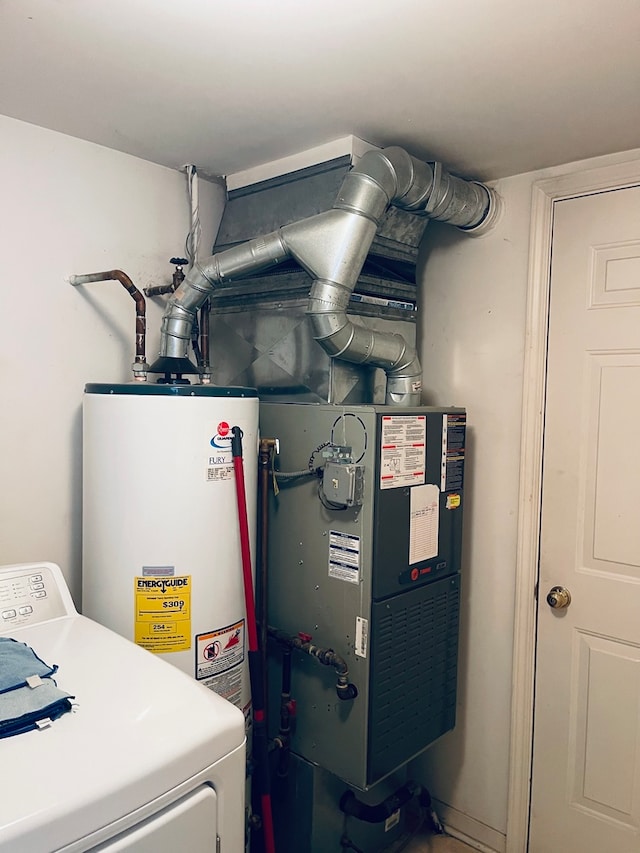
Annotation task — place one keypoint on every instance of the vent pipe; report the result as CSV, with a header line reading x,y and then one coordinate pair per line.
x,y
332,247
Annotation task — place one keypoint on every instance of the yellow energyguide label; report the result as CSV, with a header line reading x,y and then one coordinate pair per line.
x,y
162,608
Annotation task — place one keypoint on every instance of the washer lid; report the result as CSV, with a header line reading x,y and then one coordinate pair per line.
x,y
140,728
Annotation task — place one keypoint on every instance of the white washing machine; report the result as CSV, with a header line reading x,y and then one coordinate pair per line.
x,y
148,760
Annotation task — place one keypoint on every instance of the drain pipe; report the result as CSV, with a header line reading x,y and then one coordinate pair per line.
x,y
332,247
351,805
345,690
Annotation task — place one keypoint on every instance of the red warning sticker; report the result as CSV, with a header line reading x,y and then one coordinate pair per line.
x,y
403,451
220,650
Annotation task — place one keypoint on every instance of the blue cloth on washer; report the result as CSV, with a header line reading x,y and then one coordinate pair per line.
x,y
32,707
19,662
29,697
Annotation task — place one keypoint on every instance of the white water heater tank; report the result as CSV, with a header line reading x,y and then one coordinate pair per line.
x,y
161,546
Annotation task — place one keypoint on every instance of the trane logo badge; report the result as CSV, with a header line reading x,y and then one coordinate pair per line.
x,y
222,438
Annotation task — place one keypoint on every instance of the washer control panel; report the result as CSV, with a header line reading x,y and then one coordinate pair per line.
x,y
32,593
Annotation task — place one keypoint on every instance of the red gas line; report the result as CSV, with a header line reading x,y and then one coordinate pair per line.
x,y
255,660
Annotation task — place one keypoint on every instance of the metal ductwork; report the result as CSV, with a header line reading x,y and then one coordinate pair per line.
x,y
331,247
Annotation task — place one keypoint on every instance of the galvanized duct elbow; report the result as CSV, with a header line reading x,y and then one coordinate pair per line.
x,y
381,178
201,281
426,189
341,338
332,248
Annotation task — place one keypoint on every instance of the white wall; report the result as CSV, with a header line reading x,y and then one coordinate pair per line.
x,y
72,207
473,303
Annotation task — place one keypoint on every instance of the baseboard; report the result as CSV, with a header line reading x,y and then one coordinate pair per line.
x,y
473,832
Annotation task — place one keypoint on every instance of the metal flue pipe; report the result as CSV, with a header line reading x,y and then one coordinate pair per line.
x,y
332,247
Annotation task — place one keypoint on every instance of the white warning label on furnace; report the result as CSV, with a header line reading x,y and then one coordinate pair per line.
x,y
362,637
453,440
424,523
403,451
344,556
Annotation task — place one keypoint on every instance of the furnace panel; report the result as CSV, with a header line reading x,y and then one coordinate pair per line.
x,y
378,580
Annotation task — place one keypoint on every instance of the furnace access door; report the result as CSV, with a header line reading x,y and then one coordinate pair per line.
x,y
366,559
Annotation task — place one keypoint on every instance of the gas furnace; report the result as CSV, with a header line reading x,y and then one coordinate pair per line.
x,y
364,557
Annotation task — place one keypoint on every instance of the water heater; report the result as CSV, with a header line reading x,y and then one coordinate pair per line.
x,y
161,547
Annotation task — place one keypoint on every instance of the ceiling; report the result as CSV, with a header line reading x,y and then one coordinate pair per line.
x,y
490,87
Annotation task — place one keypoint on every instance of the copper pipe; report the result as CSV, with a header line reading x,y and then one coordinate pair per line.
x,y
176,280
159,289
267,448
204,335
328,657
138,298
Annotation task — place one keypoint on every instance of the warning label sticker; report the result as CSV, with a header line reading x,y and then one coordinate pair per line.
x,y
392,820
219,661
220,650
228,685
217,472
362,637
162,613
344,556
453,441
403,451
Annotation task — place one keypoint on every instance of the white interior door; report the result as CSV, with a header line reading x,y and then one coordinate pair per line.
x,y
586,761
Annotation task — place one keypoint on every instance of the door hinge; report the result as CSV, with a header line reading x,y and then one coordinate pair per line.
x,y
218,844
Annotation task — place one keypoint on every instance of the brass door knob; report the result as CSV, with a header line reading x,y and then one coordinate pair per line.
x,y
558,597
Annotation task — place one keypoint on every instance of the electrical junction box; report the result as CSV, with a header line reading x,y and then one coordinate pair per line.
x,y
371,570
342,484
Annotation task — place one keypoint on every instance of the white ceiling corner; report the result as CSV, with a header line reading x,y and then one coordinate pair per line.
x,y
491,88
